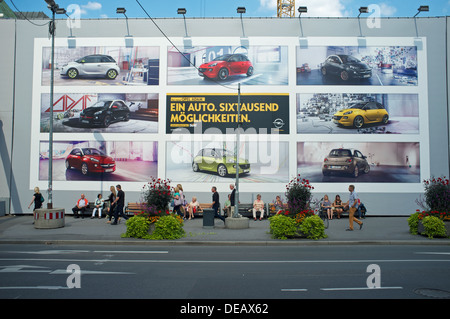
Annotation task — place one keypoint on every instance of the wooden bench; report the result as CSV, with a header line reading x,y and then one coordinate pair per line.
x,y
272,210
133,208
199,212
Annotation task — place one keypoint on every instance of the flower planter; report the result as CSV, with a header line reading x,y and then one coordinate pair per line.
x,y
421,228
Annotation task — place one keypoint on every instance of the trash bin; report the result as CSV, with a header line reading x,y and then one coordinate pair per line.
x,y
208,218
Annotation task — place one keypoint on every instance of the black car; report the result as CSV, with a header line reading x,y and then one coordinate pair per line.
x,y
105,112
346,67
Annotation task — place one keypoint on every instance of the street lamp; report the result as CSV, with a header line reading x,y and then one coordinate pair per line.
x,y
422,9
52,28
187,42
363,10
302,10
128,37
244,39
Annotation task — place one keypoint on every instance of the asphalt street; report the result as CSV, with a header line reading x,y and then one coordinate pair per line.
x,y
221,272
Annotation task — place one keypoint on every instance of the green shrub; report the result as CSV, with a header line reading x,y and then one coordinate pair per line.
x,y
313,227
434,227
168,227
413,223
137,227
282,227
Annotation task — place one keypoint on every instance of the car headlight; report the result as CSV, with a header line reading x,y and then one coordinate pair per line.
x,y
348,112
98,113
94,159
214,64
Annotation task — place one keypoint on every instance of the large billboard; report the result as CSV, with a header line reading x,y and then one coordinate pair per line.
x,y
159,110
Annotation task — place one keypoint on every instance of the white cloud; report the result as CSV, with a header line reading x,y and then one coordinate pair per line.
x,y
316,8
387,10
92,6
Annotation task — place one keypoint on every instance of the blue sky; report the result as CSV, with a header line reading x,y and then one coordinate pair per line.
x,y
93,9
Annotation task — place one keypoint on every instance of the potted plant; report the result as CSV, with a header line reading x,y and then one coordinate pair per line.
x,y
288,222
436,204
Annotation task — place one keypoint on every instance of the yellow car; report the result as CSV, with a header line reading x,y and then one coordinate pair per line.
x,y
362,113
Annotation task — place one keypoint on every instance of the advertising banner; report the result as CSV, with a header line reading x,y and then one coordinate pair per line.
x,y
355,65
260,161
102,66
357,113
362,162
217,113
87,160
227,64
101,112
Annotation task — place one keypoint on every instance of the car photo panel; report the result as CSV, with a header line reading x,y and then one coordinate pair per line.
x,y
131,161
100,112
366,162
224,65
356,113
204,162
357,65
102,65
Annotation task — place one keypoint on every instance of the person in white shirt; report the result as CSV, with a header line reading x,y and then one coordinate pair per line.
x,y
258,206
98,205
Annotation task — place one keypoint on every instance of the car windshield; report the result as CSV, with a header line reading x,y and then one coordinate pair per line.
x,y
348,59
92,151
340,153
224,153
222,57
102,104
357,106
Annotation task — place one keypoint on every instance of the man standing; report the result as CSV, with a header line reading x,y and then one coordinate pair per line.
x,y
120,200
81,205
233,193
216,203
352,205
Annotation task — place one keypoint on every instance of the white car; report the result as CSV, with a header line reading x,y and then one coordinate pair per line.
x,y
92,65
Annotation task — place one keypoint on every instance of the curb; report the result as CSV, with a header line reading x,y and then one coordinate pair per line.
x,y
223,243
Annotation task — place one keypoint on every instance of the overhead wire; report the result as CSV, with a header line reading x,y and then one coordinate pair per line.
x,y
25,17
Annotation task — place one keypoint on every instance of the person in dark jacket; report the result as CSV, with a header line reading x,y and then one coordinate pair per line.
x,y
216,203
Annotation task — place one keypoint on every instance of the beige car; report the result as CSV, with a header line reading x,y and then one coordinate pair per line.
x,y
345,161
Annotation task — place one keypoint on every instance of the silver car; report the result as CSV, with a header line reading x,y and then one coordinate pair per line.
x,y
92,65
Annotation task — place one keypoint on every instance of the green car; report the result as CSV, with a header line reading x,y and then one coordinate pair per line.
x,y
219,160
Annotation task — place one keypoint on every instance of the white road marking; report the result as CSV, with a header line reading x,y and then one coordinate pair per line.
x,y
432,253
338,289
131,252
36,287
228,261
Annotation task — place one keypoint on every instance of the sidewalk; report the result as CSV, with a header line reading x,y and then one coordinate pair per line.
x,y
376,230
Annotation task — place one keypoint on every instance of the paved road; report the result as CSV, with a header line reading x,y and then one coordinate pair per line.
x,y
224,273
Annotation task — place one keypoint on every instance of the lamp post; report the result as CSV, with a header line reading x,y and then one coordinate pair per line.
x,y
55,10
236,195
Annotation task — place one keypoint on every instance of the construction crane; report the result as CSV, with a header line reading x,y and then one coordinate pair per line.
x,y
285,8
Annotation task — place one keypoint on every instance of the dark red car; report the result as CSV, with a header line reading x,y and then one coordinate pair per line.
x,y
90,160
226,65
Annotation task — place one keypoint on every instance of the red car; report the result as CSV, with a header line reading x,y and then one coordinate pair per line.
x,y
226,65
90,160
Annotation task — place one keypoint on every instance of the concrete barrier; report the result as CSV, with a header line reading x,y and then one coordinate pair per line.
x,y
237,223
49,218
